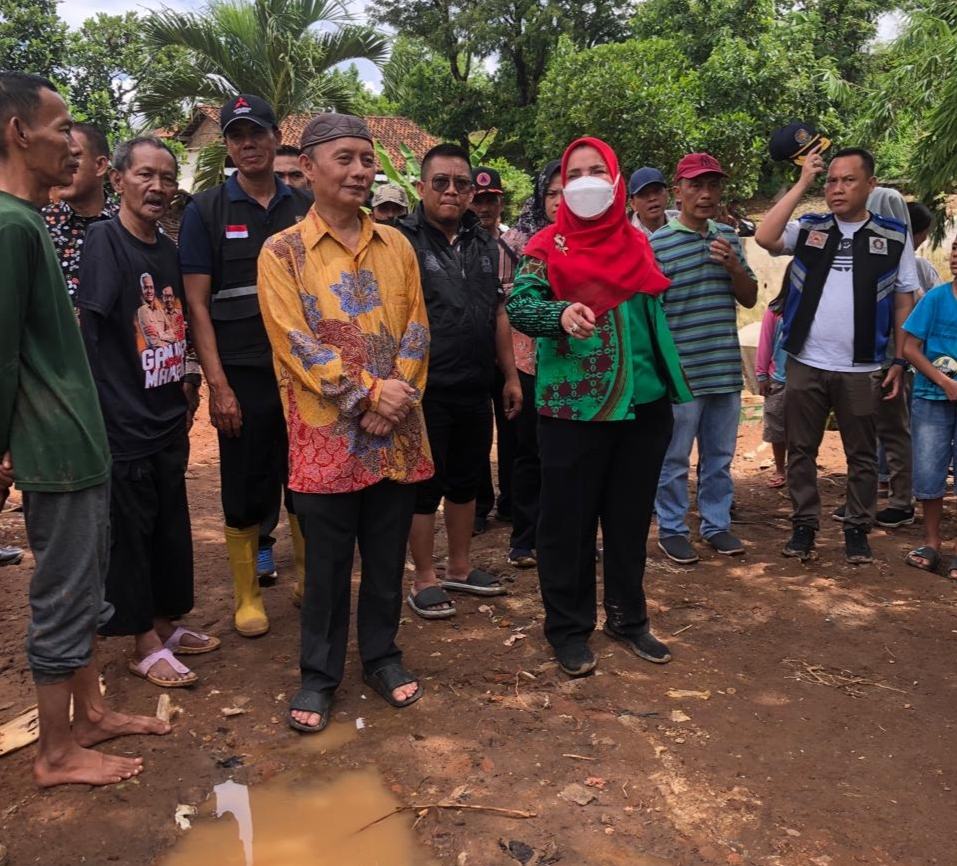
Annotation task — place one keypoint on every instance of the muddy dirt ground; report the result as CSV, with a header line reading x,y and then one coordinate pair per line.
x,y
808,716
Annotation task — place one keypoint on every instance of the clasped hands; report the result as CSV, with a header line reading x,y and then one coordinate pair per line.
x,y
395,402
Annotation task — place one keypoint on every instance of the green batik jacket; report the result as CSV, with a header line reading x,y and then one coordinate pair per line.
x,y
592,379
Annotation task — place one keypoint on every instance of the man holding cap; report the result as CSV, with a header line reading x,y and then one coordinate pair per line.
x,y
648,195
389,202
343,306
222,232
709,278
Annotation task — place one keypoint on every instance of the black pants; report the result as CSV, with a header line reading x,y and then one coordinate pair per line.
x,y
526,469
253,466
505,445
460,435
151,547
379,518
595,471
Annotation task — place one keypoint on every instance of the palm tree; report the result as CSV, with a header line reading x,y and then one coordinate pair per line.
x,y
281,50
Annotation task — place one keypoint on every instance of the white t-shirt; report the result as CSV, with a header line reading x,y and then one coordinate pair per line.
x,y
830,341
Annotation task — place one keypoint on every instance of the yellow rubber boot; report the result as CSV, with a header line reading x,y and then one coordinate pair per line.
x,y
299,559
250,619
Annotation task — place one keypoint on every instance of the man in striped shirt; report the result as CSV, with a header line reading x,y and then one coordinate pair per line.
x,y
709,277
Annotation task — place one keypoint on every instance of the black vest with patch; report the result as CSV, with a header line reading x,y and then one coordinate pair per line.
x,y
237,231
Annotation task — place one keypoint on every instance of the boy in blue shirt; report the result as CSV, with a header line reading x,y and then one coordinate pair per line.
x,y
930,344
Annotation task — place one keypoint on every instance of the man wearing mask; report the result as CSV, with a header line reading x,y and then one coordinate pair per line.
x,y
709,278
80,204
458,261
222,233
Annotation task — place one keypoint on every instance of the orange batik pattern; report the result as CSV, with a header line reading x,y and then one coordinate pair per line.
x,y
340,323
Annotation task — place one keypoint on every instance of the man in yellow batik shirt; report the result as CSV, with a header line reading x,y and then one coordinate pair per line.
x,y
343,307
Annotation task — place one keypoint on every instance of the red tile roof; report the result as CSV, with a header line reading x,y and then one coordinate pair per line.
x,y
389,131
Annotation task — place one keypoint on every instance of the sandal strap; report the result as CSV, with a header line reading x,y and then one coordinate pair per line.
x,y
431,596
477,577
174,641
146,665
310,701
391,676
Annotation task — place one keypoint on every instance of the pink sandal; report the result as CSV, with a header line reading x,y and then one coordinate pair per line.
x,y
144,669
174,642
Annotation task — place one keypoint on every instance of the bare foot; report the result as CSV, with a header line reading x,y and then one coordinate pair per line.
x,y
403,693
79,766
106,725
304,717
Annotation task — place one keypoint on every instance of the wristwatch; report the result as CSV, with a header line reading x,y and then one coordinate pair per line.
x,y
900,362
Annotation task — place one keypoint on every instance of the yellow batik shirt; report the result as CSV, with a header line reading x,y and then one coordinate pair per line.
x,y
340,323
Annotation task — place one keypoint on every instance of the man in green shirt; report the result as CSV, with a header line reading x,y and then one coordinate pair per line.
x,y
53,445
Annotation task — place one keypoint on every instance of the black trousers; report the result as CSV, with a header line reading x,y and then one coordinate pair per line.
x,y
526,469
593,471
253,466
379,518
151,547
505,446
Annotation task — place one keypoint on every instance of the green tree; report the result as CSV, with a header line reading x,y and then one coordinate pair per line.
x,y
417,82
282,50
32,37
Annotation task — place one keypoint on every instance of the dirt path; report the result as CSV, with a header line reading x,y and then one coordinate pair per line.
x,y
808,716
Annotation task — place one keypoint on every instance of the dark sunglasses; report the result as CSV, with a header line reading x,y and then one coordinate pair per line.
x,y
441,182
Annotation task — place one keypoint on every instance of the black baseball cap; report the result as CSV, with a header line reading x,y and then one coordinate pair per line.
x,y
643,177
247,107
487,180
792,143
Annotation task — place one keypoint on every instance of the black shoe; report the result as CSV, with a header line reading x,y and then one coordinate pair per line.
x,y
725,543
838,513
894,517
801,544
645,646
576,661
503,516
521,558
678,549
480,525
10,555
856,548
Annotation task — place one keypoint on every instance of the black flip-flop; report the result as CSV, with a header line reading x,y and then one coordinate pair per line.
x,y
926,552
477,583
309,701
387,679
424,603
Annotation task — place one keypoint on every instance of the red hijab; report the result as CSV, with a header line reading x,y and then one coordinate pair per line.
x,y
600,262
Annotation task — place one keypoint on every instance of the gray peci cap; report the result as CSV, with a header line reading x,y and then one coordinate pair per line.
x,y
330,125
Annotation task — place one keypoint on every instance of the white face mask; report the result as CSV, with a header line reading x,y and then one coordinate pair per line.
x,y
589,197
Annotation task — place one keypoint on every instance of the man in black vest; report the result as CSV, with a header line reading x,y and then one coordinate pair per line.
x,y
222,232
852,282
458,261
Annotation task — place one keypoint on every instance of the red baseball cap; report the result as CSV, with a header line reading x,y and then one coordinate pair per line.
x,y
695,164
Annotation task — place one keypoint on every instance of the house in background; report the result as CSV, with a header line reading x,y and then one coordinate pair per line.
x,y
390,132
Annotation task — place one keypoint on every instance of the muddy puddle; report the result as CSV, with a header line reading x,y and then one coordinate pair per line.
x,y
295,820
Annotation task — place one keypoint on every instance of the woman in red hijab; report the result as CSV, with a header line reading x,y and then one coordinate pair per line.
x,y
588,288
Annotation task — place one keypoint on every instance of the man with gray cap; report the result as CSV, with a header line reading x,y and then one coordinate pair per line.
x,y
343,307
222,231
389,202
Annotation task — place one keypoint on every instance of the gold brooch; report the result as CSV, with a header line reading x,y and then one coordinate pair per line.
x,y
560,244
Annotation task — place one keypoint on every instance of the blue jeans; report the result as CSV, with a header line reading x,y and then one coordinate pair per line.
x,y
713,420
934,432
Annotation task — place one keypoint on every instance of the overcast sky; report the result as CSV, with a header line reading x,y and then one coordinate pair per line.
x,y
75,12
